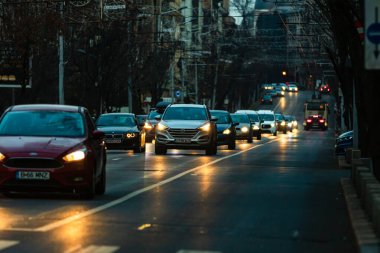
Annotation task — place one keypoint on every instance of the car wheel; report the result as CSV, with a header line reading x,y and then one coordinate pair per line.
x,y
160,150
212,149
258,136
138,150
284,132
100,187
90,192
232,145
275,133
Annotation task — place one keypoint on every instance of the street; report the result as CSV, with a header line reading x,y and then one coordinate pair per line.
x,y
279,194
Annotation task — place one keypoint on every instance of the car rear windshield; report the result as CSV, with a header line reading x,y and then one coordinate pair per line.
x,y
43,123
267,117
240,118
116,120
222,117
185,113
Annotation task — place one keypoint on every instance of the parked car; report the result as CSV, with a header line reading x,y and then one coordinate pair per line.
x,y
226,128
51,148
344,141
122,131
186,126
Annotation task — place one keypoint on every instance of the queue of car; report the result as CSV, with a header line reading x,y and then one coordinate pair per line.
x,y
62,149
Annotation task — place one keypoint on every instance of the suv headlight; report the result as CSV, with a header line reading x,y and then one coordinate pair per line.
x,y
254,127
75,156
206,127
2,157
148,125
244,129
272,124
227,131
161,127
283,123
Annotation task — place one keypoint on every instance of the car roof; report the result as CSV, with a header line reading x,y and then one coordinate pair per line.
x,y
265,111
118,113
223,111
187,105
246,111
46,107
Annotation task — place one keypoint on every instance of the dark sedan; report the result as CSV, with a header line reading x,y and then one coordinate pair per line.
x,y
122,131
226,128
344,141
50,148
281,123
244,130
266,99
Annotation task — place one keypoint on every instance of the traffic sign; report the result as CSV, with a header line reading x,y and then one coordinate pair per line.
x,y
372,32
178,93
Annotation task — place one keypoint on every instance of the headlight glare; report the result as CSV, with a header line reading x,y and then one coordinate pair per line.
x,y
254,127
206,127
227,131
161,127
244,129
283,123
75,156
130,135
272,124
2,157
148,126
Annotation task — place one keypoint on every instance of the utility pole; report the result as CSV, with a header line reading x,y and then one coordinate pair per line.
x,y
61,66
196,82
215,77
182,81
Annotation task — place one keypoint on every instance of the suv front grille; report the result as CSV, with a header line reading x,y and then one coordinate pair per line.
x,y
32,163
183,133
114,136
266,126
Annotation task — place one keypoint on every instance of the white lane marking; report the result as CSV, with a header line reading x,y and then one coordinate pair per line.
x,y
128,196
6,244
196,251
116,159
94,249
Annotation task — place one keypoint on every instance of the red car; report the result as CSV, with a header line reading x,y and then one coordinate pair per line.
x,y
51,148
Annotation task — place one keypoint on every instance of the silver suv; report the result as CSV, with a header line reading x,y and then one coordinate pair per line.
x,y
186,126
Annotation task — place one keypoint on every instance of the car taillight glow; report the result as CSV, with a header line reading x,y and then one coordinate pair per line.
x,y
308,120
2,157
321,121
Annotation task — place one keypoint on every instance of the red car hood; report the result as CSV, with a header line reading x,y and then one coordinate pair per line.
x,y
36,146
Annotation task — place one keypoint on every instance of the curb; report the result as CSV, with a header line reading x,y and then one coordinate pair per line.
x,y
366,238
343,164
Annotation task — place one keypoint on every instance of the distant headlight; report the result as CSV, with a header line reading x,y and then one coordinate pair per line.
x,y
295,123
289,124
282,93
130,135
283,88
254,127
148,125
161,127
2,157
244,129
227,131
272,124
296,89
283,123
75,156
206,127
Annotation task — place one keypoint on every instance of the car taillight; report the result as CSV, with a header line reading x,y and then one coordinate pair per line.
x,y
321,121
328,89
308,120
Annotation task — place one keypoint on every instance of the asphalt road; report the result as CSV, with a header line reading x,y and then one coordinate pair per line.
x,y
280,194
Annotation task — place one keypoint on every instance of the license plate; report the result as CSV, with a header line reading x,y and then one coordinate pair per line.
x,y
33,175
113,141
183,140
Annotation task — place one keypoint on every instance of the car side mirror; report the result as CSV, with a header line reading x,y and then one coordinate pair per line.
x,y
214,119
98,135
261,121
158,117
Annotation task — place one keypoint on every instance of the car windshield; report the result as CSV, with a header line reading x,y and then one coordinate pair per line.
x,y
222,117
253,117
240,118
185,113
43,123
279,117
267,117
153,114
116,120
267,97
288,118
